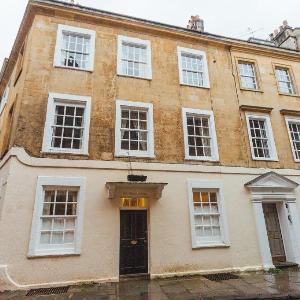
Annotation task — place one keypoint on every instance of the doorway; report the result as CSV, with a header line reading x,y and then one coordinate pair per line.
x,y
274,232
133,242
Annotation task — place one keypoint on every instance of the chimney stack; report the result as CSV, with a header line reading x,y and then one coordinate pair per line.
x,y
195,23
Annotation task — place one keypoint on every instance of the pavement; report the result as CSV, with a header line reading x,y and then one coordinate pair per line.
x,y
279,284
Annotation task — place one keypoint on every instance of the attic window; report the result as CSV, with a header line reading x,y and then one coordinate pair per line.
x,y
134,57
75,48
193,70
4,98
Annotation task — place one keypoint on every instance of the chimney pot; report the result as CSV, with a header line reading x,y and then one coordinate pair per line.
x,y
196,23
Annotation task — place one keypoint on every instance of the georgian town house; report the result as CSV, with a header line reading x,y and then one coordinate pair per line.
x,y
206,127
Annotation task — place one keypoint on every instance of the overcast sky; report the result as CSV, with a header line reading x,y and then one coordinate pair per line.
x,y
226,17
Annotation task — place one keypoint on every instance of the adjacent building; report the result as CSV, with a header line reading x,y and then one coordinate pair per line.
x,y
89,97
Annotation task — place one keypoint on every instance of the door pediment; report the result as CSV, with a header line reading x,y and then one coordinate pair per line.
x,y
271,181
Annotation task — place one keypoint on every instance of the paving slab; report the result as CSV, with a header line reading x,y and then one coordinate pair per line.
x,y
256,285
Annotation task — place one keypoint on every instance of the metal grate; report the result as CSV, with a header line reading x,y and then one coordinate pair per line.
x,y
48,291
221,276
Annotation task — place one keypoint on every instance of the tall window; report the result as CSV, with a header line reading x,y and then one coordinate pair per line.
x,y
75,48
248,75
57,218
199,135
207,213
67,129
134,57
284,80
67,124
261,138
134,129
134,132
193,69
4,98
293,126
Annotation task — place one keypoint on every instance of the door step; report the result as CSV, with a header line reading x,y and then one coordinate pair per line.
x,y
134,277
285,265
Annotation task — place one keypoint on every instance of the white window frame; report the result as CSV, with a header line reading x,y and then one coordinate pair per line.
x,y
59,43
213,185
254,69
45,181
4,99
271,141
180,51
66,98
214,143
287,120
150,141
291,81
138,42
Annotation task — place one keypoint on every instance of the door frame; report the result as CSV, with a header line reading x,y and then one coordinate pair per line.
x,y
283,256
289,224
148,239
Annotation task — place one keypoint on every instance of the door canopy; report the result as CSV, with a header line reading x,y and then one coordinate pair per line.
x,y
150,190
273,182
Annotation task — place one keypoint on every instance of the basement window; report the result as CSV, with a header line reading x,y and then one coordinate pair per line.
x,y
193,70
75,48
261,137
134,57
57,218
134,129
67,124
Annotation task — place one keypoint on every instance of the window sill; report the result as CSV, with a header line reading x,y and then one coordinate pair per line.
x,y
251,90
195,86
289,95
74,69
265,159
51,255
63,152
135,77
204,246
206,159
135,155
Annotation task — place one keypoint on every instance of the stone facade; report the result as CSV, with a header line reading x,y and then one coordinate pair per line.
x,y
39,77
32,76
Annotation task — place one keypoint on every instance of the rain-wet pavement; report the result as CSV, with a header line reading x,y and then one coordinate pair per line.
x,y
255,285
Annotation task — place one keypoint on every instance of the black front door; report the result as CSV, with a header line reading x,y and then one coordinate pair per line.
x,y
133,242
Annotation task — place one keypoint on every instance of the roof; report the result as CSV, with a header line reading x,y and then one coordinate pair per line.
x,y
56,4
103,12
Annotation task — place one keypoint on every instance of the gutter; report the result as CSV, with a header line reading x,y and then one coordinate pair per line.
x,y
231,42
155,23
